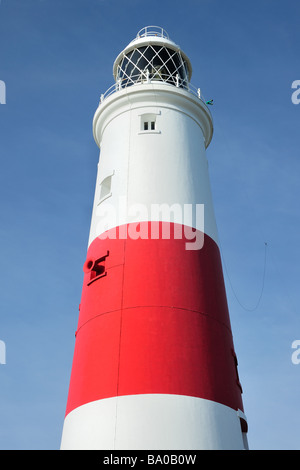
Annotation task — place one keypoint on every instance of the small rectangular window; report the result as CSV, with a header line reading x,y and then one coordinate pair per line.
x,y
236,370
105,188
148,123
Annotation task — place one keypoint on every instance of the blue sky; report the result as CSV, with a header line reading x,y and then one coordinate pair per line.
x,y
56,59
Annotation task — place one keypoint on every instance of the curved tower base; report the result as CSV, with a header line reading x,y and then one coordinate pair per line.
x,y
144,423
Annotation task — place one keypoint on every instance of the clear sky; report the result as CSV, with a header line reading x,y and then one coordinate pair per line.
x,y
56,59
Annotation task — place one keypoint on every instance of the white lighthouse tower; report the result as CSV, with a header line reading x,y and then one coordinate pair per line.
x,y
154,364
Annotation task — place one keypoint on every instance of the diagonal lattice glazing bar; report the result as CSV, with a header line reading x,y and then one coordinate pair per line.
x,y
155,62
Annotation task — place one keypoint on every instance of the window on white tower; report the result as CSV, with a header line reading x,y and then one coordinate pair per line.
x,y
105,188
148,123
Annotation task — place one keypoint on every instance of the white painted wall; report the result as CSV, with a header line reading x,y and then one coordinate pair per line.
x,y
143,421
165,166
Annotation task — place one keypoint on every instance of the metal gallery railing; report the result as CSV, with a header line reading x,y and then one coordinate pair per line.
x,y
148,78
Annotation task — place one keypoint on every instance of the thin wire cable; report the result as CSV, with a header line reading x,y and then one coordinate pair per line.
x,y
262,287
227,144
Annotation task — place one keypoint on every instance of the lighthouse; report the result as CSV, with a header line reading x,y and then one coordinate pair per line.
x,y
154,363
